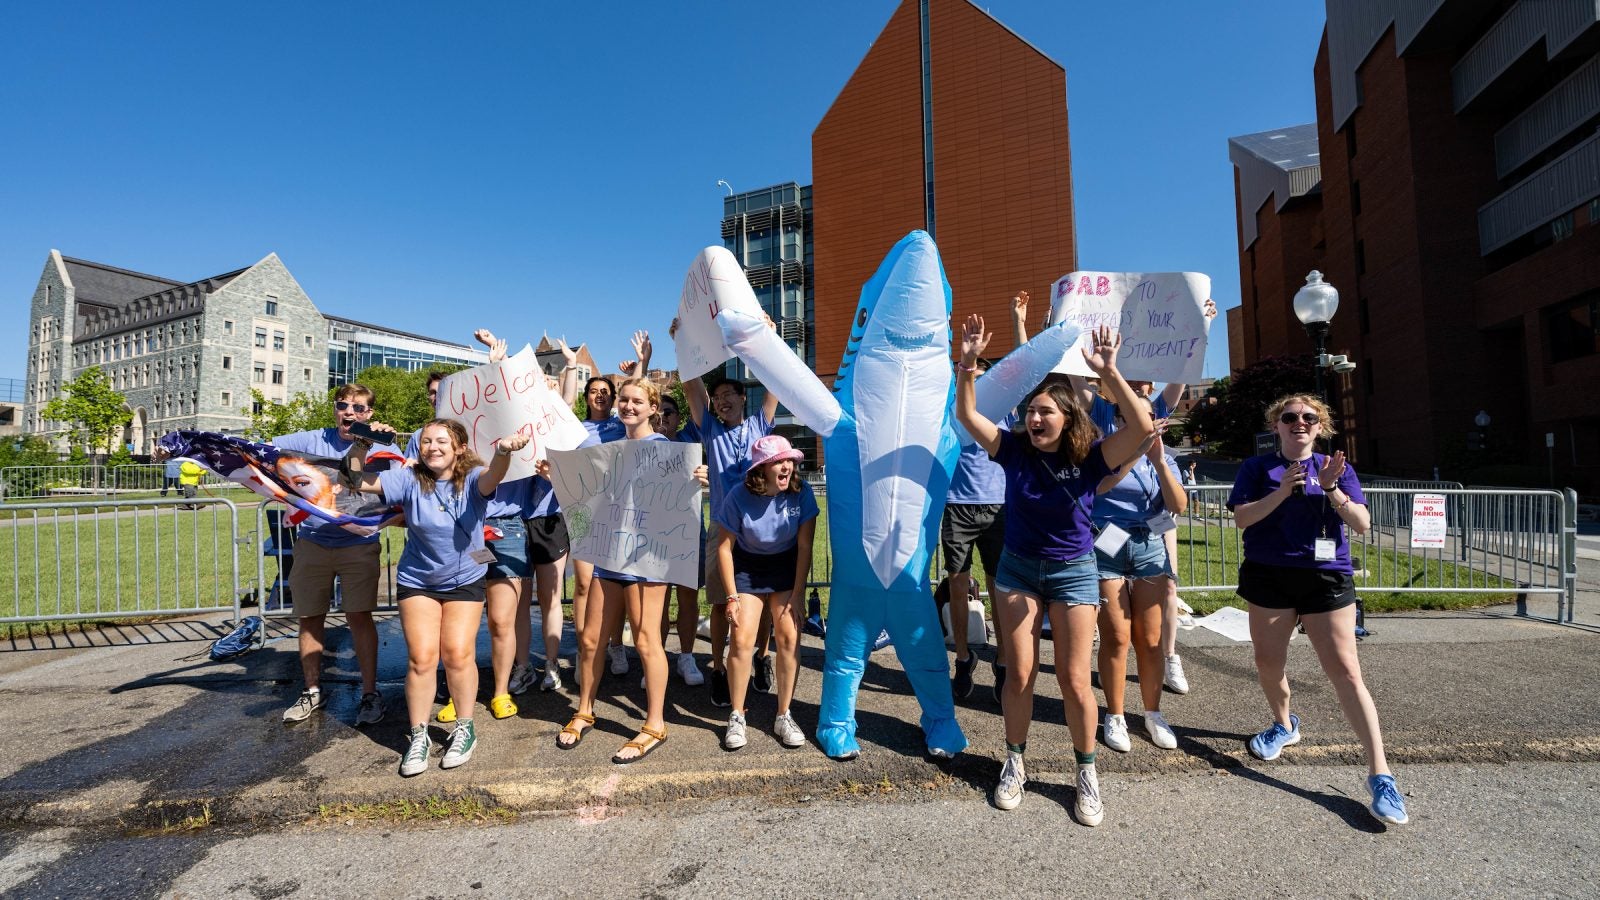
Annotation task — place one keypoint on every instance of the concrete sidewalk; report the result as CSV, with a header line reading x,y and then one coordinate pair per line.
x,y
135,727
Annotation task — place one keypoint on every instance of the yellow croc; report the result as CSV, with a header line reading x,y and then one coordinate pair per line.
x,y
502,707
448,713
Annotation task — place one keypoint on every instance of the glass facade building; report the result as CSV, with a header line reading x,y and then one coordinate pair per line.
x,y
769,231
354,346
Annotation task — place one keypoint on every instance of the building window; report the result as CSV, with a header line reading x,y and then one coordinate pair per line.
x,y
1350,138
1364,313
261,337
227,326
227,362
1361,257
1571,328
1355,198
277,375
227,399
1561,228
272,306
255,407
259,375
277,341
308,342
307,374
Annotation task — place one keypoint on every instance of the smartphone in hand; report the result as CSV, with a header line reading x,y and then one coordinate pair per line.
x,y
364,431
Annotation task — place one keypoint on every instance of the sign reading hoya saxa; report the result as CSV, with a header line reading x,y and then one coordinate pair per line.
x,y
1158,315
505,398
715,282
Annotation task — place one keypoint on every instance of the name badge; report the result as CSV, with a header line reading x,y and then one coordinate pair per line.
x,y
1110,540
486,556
1161,523
1324,549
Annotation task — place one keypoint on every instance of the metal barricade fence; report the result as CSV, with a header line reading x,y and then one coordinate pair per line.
x,y
1498,542
36,482
273,542
115,559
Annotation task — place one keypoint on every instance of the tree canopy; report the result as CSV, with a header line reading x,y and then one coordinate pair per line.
x,y
1232,423
91,410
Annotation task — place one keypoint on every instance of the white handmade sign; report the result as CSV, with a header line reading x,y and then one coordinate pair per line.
x,y
633,507
715,282
1158,314
1428,520
510,397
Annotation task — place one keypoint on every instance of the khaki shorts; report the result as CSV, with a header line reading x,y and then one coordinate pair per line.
x,y
311,579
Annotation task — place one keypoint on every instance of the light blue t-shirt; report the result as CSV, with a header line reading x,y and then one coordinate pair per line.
x,y
174,468
442,528
977,479
728,451
1136,497
322,442
606,430
511,498
1104,413
766,525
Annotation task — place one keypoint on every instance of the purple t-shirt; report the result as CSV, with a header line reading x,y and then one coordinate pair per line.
x,y
766,525
1048,499
1287,536
442,528
977,479
728,451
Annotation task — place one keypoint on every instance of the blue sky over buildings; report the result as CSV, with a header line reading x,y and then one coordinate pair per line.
x,y
540,168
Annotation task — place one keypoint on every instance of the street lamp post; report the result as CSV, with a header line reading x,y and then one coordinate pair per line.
x,y
1314,305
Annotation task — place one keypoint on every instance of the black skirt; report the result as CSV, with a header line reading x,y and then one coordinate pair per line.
x,y
764,573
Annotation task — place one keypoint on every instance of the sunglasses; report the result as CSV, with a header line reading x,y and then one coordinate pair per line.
x,y
1310,418
342,405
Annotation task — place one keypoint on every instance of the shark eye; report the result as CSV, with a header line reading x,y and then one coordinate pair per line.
x,y
861,318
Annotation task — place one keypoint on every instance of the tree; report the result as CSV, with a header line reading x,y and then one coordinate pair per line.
x,y
1240,413
400,398
269,418
27,451
93,412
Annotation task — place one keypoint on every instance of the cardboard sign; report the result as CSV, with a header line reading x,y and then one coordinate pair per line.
x,y
510,397
1428,520
715,282
1158,314
633,507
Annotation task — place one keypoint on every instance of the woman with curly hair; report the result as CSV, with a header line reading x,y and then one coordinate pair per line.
x,y
441,573
1048,566
1296,506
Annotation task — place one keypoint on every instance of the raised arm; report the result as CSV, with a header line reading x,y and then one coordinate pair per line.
x,y
503,448
769,404
1173,496
694,390
1019,316
497,346
1124,444
973,341
569,373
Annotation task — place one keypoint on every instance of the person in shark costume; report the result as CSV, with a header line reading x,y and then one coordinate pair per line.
x,y
891,444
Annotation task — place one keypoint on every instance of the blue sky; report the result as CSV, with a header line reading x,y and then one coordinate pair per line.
x,y
534,167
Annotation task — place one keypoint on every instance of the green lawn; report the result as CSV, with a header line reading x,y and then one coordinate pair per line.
x,y
78,564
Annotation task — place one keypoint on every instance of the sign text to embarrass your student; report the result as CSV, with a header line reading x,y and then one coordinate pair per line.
x,y
1159,316
633,507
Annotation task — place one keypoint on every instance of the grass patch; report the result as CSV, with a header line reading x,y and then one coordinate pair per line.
x,y
429,809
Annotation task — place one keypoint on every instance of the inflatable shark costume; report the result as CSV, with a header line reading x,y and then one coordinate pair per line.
x,y
891,445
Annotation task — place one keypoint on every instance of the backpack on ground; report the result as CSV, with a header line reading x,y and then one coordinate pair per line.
x,y
250,635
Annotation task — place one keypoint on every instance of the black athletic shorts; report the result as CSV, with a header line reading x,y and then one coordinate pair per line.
x,y
547,539
1306,591
472,592
966,524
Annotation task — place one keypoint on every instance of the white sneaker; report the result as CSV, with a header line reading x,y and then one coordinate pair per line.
x,y
308,703
734,738
1089,809
788,732
1161,734
1175,680
690,670
1115,733
1013,776
415,760
619,659
523,678
551,680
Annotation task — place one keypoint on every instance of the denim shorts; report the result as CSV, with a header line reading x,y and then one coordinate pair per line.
x,y
510,551
1144,555
1075,582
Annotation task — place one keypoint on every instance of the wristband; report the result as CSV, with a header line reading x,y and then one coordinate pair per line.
x,y
732,598
966,368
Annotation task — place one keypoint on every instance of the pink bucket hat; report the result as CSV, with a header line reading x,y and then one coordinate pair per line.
x,y
772,448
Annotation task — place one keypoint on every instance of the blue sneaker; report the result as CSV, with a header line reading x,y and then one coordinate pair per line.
x,y
883,640
1387,805
1268,744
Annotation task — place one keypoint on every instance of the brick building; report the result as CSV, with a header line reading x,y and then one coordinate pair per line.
x,y
954,124
1457,199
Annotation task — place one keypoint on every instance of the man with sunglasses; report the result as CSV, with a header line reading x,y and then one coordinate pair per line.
x,y
324,551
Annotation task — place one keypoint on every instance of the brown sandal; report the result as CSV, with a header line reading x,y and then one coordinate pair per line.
x,y
660,737
573,729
